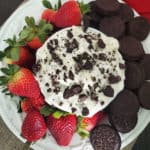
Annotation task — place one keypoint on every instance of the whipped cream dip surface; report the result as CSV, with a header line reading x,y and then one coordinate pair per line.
x,y
80,72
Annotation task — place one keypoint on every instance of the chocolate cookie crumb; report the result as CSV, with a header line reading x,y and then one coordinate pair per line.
x,y
82,97
114,79
69,34
108,91
73,109
71,75
76,89
102,57
85,111
101,43
122,66
67,93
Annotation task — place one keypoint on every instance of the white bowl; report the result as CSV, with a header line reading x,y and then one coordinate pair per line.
x,y
8,108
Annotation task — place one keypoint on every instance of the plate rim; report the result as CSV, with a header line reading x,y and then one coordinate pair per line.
x,y
6,121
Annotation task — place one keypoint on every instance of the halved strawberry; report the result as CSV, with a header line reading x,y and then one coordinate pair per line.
x,y
33,127
86,124
34,34
62,128
20,81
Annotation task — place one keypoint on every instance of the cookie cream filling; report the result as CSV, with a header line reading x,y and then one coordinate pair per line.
x,y
80,72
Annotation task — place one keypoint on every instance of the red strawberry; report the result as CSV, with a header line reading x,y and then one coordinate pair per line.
x,y
26,59
26,105
33,127
48,15
37,102
35,34
62,129
86,124
35,43
15,53
69,14
20,81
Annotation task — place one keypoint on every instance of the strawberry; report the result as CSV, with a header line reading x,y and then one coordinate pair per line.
x,y
62,128
35,35
26,105
35,43
38,102
20,81
48,15
86,124
15,53
69,14
33,127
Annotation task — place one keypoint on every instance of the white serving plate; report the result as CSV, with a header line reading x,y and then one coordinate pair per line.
x,y
8,106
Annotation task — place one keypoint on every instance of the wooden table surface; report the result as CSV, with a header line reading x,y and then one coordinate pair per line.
x,y
8,141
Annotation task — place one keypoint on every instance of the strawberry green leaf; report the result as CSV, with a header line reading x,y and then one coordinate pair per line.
x,y
42,37
5,90
85,8
2,55
83,133
14,53
47,4
9,42
47,27
58,114
31,36
46,110
3,80
30,21
41,23
24,34
59,4
13,68
19,107
55,7
6,71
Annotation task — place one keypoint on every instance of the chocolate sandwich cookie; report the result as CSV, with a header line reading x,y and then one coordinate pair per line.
x,y
112,26
123,124
125,13
144,95
93,6
131,48
145,63
125,104
139,27
134,76
107,7
91,19
104,137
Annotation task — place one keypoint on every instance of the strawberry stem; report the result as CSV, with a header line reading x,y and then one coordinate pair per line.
x,y
83,133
